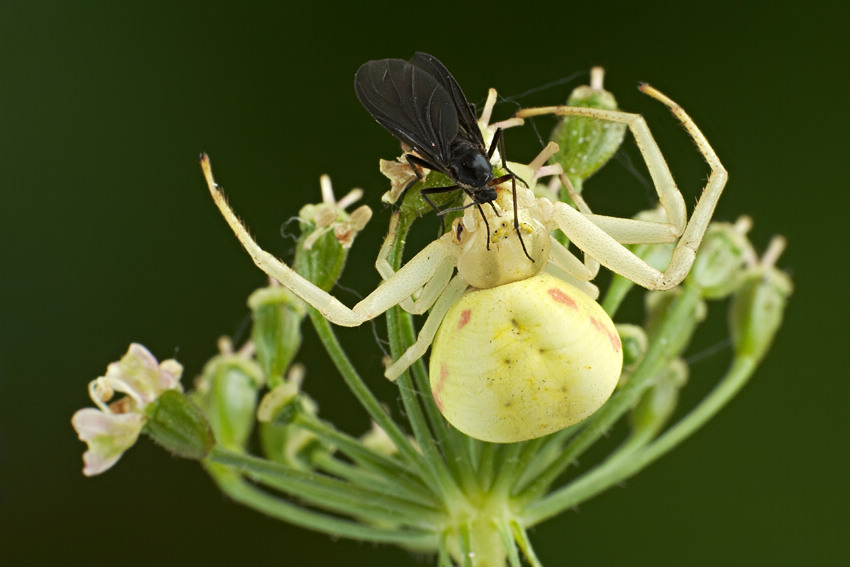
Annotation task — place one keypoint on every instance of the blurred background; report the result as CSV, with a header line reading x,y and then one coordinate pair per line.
x,y
109,237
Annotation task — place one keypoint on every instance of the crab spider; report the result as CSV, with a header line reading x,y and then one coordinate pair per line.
x,y
492,263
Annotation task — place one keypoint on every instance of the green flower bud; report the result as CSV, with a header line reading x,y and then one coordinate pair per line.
x,y
283,439
279,405
179,426
587,144
719,266
276,334
658,402
759,305
227,392
634,341
327,232
377,440
657,304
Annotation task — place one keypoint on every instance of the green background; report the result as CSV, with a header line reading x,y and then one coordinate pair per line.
x,y
108,236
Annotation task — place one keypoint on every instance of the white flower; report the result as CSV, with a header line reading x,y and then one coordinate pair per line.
x,y
113,428
330,215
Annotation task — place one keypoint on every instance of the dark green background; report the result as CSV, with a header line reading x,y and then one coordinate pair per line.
x,y
108,236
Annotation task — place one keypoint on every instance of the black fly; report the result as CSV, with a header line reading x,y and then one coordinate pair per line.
x,y
420,103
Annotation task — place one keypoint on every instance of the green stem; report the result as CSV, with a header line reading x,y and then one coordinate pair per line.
x,y
526,459
510,461
616,470
232,484
362,392
357,475
453,443
433,460
444,559
353,448
658,353
465,540
330,493
540,453
521,537
486,465
508,542
373,464
438,475
616,293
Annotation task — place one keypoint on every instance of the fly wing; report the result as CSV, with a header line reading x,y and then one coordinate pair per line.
x,y
465,111
411,104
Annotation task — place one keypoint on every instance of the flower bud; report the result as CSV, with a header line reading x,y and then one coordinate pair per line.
x,y
658,402
378,441
634,341
227,393
657,305
587,144
179,426
276,334
719,266
327,232
759,304
283,439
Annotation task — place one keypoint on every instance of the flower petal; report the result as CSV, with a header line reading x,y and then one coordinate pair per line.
x,y
140,376
107,436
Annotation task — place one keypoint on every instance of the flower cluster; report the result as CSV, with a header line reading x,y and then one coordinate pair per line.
x,y
113,427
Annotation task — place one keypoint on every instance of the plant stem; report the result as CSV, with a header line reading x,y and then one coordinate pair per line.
x,y
433,460
615,294
374,464
521,537
508,542
616,469
509,463
539,453
451,441
232,484
330,493
362,392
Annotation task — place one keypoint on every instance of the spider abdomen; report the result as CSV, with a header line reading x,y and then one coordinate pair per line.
x,y
523,360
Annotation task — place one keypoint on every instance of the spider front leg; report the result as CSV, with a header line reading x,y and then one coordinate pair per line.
x,y
448,296
416,274
432,288
602,237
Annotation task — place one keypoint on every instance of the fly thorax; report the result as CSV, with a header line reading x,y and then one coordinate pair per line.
x,y
470,168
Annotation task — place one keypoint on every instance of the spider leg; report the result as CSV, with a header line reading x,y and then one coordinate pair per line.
x,y
683,254
668,194
430,291
563,264
415,274
417,350
600,236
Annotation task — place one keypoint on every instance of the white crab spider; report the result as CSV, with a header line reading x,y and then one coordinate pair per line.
x,y
520,395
